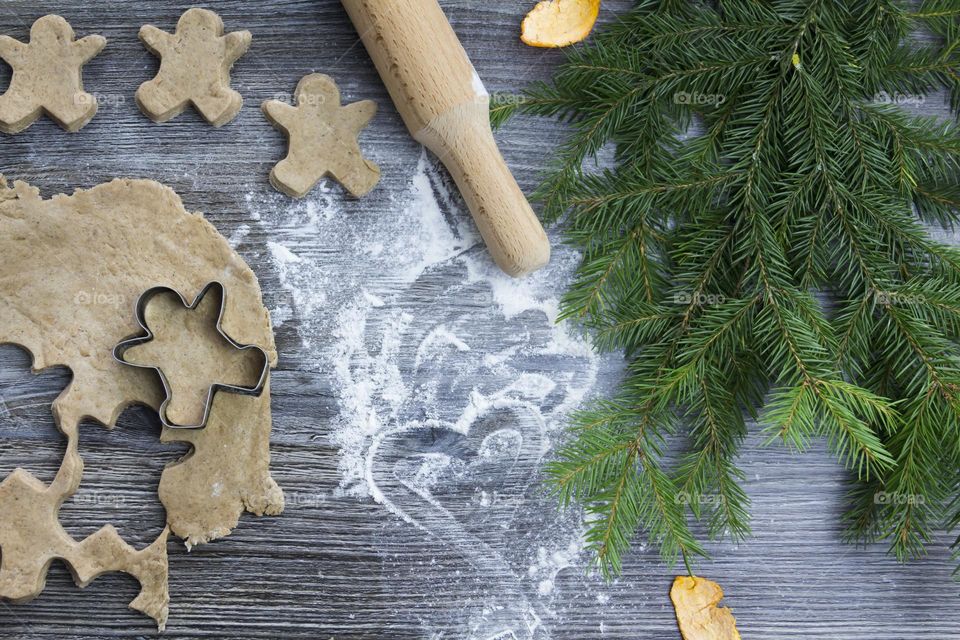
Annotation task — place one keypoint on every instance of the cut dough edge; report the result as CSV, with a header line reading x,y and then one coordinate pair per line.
x,y
242,424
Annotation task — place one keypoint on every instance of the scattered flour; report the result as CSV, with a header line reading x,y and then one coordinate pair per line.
x,y
438,339
434,238
549,563
375,301
300,279
239,235
405,355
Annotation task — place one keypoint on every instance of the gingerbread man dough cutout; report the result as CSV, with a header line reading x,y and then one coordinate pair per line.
x,y
195,65
185,344
46,77
323,139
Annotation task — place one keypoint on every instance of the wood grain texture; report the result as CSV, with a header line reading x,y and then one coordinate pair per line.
x,y
335,566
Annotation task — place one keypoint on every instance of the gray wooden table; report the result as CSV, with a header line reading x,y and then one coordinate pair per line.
x,y
417,395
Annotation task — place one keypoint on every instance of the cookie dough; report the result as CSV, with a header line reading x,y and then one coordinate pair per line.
x,y
31,539
73,268
323,139
46,77
195,65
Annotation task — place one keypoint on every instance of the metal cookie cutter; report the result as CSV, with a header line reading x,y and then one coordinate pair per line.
x,y
147,335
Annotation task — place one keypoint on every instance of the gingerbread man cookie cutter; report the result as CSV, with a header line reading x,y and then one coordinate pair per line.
x,y
47,77
195,64
323,139
147,335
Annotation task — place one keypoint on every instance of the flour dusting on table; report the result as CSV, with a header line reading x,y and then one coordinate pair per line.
x,y
428,412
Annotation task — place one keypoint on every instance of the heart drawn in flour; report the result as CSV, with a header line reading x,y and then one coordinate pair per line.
x,y
463,485
446,414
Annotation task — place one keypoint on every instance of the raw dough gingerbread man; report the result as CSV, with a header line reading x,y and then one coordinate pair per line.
x,y
323,139
46,77
195,67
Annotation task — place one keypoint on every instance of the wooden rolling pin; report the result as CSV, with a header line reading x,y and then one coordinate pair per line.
x,y
444,104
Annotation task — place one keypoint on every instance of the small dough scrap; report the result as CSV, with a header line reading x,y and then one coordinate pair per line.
x,y
191,353
558,23
195,65
695,600
323,139
47,77
31,538
73,268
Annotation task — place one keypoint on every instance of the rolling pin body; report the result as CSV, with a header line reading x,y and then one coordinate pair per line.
x,y
444,105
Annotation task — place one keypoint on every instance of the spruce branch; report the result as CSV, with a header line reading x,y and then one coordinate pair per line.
x,y
760,248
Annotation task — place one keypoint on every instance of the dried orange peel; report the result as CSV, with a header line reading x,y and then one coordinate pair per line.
x,y
558,23
695,600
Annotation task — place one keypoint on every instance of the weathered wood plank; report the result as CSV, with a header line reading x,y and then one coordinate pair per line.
x,y
495,557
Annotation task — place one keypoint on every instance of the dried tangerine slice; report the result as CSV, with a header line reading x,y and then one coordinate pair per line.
x,y
557,23
695,600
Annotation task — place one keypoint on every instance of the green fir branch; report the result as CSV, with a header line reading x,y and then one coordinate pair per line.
x,y
760,248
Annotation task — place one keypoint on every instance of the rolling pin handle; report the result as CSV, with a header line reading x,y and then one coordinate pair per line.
x,y
463,141
443,103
